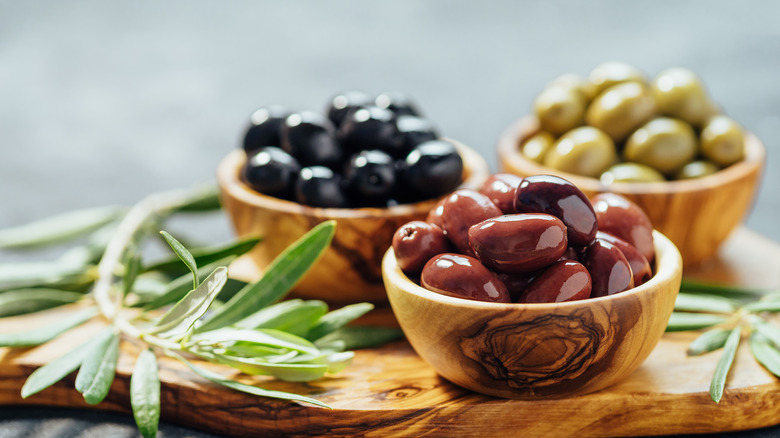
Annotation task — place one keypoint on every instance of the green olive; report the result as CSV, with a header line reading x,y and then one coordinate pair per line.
x,y
583,151
722,141
631,172
679,93
537,146
609,74
619,110
559,109
664,144
577,82
697,169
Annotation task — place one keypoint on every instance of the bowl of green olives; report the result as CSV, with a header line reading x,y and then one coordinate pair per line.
x,y
371,163
527,289
661,142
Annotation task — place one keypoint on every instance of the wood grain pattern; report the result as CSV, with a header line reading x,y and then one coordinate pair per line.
x,y
697,215
349,270
391,390
537,351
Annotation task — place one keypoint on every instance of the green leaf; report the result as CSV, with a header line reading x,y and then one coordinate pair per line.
x,y
703,303
145,393
180,318
27,274
279,278
22,301
41,335
733,292
216,378
264,337
57,369
282,371
765,353
762,306
294,316
203,199
357,337
58,228
132,269
681,321
205,256
338,318
98,370
184,255
724,364
178,288
771,332
710,340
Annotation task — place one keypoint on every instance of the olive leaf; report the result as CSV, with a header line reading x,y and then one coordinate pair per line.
x,y
765,353
22,301
30,274
703,303
769,331
732,292
338,318
58,228
204,256
180,318
718,383
300,372
357,337
682,321
262,337
98,370
184,255
180,287
203,198
132,269
763,306
57,369
216,378
280,276
293,316
710,340
145,393
41,335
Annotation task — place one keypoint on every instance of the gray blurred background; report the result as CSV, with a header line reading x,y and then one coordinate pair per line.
x,y
106,102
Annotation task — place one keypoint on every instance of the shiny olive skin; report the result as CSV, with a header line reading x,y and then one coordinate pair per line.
x,y
432,169
609,269
536,147
576,82
271,171
561,281
462,209
619,110
399,103
265,124
310,137
370,127
517,283
434,216
462,276
722,141
500,188
612,73
696,169
631,172
679,93
416,242
640,267
556,196
415,130
624,219
319,186
663,143
341,104
559,109
515,243
583,151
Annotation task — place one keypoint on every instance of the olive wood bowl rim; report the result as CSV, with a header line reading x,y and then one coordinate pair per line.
x,y
668,263
509,153
475,168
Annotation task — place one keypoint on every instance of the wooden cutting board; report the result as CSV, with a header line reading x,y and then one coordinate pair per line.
x,y
390,390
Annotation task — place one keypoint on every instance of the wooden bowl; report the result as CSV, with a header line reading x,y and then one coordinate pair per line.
x,y
537,351
350,269
697,214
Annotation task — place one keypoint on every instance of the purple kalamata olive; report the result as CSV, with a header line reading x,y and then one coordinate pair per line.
x,y
556,196
640,268
561,281
622,218
434,216
518,242
461,210
609,270
417,242
462,276
500,188
517,283
570,254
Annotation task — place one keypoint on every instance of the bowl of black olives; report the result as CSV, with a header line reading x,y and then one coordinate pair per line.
x,y
661,142
371,163
528,289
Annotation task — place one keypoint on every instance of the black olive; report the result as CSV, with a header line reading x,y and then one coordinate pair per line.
x,y
371,128
415,130
342,103
318,186
370,177
271,171
433,168
397,102
265,124
310,138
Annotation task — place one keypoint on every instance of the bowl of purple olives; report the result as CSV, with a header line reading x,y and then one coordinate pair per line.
x,y
660,141
528,289
371,163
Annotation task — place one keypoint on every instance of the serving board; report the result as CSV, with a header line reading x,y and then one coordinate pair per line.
x,y
390,390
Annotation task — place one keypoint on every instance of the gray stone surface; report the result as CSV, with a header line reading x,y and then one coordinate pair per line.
x,y
105,102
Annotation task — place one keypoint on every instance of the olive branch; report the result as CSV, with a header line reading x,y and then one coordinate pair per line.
x,y
184,306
